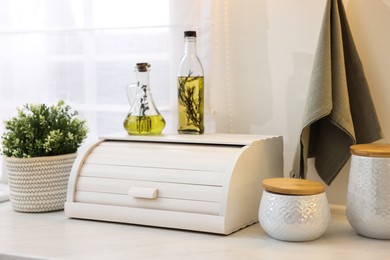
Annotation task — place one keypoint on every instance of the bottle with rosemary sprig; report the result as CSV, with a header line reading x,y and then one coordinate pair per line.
x,y
190,83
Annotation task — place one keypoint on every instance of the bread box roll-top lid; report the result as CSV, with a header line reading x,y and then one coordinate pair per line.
x,y
371,150
292,186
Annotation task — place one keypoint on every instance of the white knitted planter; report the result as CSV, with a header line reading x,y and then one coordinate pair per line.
x,y
39,184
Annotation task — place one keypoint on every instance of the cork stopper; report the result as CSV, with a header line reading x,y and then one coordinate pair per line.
x,y
142,67
292,186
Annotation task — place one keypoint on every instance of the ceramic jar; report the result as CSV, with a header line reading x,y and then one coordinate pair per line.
x,y
294,209
368,197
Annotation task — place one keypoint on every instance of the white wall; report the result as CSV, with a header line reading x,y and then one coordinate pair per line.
x,y
273,44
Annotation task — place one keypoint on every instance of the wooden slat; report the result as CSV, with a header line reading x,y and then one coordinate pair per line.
x,y
165,190
153,174
200,207
191,157
174,145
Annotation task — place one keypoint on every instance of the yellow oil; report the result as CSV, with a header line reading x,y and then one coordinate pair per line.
x,y
190,105
144,125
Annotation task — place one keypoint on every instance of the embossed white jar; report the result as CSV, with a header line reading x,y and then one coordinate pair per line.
x,y
294,209
368,197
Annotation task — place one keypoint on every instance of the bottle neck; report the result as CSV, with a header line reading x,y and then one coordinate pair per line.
x,y
190,46
143,77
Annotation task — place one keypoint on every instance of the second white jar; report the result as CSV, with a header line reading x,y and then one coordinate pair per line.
x,y
368,197
294,209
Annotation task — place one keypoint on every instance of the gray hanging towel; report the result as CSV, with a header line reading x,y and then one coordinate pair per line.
x,y
339,109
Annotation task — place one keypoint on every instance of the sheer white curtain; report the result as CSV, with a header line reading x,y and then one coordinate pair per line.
x,y
211,19
84,52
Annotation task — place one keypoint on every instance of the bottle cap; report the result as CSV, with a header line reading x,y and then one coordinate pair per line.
x,y
190,34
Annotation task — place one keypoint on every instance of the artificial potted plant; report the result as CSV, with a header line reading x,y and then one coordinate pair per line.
x,y
40,145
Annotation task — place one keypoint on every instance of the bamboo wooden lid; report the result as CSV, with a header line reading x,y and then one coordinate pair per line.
x,y
292,186
371,150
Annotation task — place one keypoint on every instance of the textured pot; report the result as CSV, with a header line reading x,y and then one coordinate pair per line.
x,y
368,197
294,209
39,184
294,218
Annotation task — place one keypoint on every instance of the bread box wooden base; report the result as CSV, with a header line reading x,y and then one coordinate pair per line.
x,y
209,183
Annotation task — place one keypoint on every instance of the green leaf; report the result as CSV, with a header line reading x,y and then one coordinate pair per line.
x,y
41,130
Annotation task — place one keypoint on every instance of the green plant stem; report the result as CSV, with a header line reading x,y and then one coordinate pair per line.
x,y
186,98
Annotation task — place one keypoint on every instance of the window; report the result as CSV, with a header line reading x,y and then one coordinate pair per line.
x,y
84,52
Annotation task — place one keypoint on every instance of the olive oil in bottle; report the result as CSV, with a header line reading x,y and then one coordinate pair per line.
x,y
190,105
144,125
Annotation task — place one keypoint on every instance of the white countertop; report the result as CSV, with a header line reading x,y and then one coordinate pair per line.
x,y
4,192
54,236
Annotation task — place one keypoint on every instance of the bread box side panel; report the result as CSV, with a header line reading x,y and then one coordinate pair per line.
x,y
262,159
78,163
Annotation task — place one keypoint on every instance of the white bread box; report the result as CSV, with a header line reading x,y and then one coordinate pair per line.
x,y
209,182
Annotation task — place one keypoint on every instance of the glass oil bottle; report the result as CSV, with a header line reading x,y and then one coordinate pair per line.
x,y
143,117
190,84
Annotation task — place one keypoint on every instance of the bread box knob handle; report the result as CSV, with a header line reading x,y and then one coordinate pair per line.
x,y
143,192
